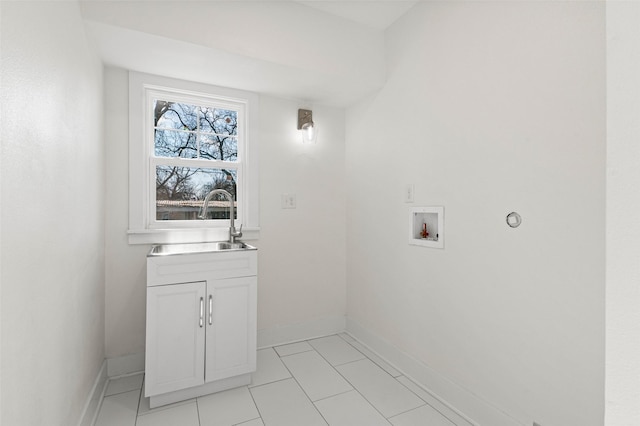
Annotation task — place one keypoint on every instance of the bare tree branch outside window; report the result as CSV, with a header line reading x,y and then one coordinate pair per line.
x,y
187,131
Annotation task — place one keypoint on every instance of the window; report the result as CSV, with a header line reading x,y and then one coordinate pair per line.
x,y
197,147
187,139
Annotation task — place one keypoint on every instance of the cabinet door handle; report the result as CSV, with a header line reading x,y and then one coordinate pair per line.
x,y
210,309
201,311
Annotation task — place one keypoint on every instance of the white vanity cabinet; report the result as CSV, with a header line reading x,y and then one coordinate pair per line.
x,y
201,324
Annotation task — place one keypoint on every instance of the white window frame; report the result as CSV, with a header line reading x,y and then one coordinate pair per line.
x,y
143,226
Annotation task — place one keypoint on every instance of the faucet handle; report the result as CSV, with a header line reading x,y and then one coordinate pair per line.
x,y
235,233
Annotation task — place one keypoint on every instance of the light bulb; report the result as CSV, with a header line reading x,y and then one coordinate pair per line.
x,y
309,133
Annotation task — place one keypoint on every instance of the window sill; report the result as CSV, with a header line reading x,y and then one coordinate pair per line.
x,y
179,236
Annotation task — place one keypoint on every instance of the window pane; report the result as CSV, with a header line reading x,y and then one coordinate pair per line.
x,y
174,143
219,121
180,192
218,147
173,115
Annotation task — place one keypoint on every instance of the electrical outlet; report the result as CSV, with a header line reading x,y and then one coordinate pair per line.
x,y
408,193
288,201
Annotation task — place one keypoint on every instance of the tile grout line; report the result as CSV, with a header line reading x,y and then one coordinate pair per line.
x,y
453,423
198,411
344,363
135,423
390,375
338,394
379,357
269,383
364,397
125,375
341,364
426,402
295,353
247,421
446,405
293,343
352,385
429,405
254,403
144,378
300,386
120,393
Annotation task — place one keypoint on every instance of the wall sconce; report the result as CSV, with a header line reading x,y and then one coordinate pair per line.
x,y
306,124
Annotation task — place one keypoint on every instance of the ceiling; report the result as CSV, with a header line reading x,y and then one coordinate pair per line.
x,y
316,51
378,14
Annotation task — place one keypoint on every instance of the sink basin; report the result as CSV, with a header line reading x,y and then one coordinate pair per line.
x,y
193,248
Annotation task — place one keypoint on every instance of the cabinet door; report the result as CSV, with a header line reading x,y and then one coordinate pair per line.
x,y
176,321
231,333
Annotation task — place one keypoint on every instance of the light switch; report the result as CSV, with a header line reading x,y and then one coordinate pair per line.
x,y
288,201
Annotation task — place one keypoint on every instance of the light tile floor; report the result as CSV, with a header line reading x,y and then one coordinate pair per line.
x,y
332,380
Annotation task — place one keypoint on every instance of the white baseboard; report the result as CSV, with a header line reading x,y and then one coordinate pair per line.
x,y
126,364
94,399
465,402
302,331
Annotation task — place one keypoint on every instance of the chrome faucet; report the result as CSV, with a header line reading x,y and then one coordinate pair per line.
x,y
233,234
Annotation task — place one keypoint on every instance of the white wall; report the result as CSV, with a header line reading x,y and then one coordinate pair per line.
x,y
623,202
489,107
125,266
301,285
52,214
302,251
